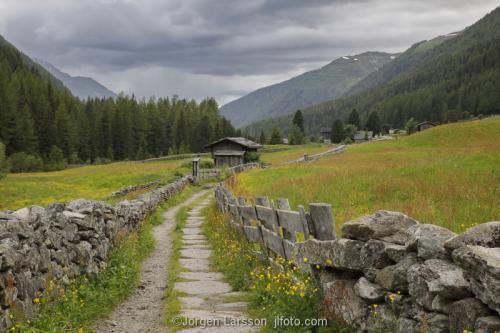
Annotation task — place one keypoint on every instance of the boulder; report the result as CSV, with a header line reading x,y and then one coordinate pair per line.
x,y
406,325
383,225
483,265
490,324
22,214
485,234
395,252
339,253
341,302
437,323
8,256
441,304
427,240
394,277
436,277
465,313
370,292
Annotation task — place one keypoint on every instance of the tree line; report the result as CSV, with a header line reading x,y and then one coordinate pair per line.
x,y
43,126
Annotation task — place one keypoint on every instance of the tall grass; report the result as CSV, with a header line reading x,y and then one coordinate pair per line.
x,y
448,175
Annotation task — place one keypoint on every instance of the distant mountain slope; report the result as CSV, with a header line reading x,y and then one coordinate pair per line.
x,y
440,80
307,89
80,86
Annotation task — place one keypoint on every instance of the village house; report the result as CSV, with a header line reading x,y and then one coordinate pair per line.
x,y
231,151
425,125
363,136
325,134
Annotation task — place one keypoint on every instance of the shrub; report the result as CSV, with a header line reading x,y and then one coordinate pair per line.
x,y
252,156
206,164
56,159
411,126
23,162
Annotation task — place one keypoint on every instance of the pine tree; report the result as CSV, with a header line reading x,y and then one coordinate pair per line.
x,y
354,119
295,136
411,126
298,120
262,138
276,137
373,123
337,131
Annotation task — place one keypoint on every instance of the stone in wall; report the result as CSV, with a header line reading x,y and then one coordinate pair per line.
x,y
485,234
383,225
483,265
428,240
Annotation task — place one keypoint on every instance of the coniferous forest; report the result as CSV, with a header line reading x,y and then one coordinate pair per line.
x,y
43,126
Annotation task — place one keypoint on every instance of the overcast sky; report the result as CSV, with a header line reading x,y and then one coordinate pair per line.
x,y
220,48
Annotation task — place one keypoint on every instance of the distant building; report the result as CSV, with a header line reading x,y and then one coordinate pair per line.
x,y
285,141
425,125
326,133
363,136
231,151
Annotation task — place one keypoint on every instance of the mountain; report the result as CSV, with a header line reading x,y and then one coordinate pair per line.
x,y
80,86
304,90
442,80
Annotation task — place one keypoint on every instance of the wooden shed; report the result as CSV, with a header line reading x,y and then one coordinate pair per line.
x,y
231,151
425,125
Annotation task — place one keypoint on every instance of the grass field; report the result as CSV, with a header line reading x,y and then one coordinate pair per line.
x,y
292,153
98,181
90,182
449,176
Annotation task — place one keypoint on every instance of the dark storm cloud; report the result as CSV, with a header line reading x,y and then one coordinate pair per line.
x,y
219,47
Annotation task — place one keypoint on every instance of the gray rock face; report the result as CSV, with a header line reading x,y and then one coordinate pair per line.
x,y
406,325
436,277
483,265
373,254
383,225
427,240
464,314
370,292
485,234
340,253
394,277
437,323
342,302
489,324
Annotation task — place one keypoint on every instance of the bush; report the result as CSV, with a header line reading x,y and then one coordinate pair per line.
x,y
206,164
56,159
252,156
23,162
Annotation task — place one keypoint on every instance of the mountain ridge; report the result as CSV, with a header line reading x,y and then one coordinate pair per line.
x,y
82,87
306,89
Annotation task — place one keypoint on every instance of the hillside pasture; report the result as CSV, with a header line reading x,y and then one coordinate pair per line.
x,y
448,175
89,182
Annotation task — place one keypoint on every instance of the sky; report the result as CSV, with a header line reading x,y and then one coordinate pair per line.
x,y
219,48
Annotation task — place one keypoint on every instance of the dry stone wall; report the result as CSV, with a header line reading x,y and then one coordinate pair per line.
x,y
63,241
388,272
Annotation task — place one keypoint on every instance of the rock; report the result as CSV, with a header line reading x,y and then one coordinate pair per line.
x,y
427,240
342,302
483,265
437,323
394,277
490,324
370,292
339,253
436,277
383,225
373,254
485,234
441,304
83,253
406,325
464,314
381,319
9,257
22,214
395,252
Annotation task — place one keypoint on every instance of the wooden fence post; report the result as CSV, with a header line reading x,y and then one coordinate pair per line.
x,y
322,219
263,201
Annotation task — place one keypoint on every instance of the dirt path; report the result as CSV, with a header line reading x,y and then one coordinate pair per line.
x,y
209,298
143,310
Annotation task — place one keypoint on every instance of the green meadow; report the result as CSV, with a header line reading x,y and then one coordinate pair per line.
x,y
448,175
